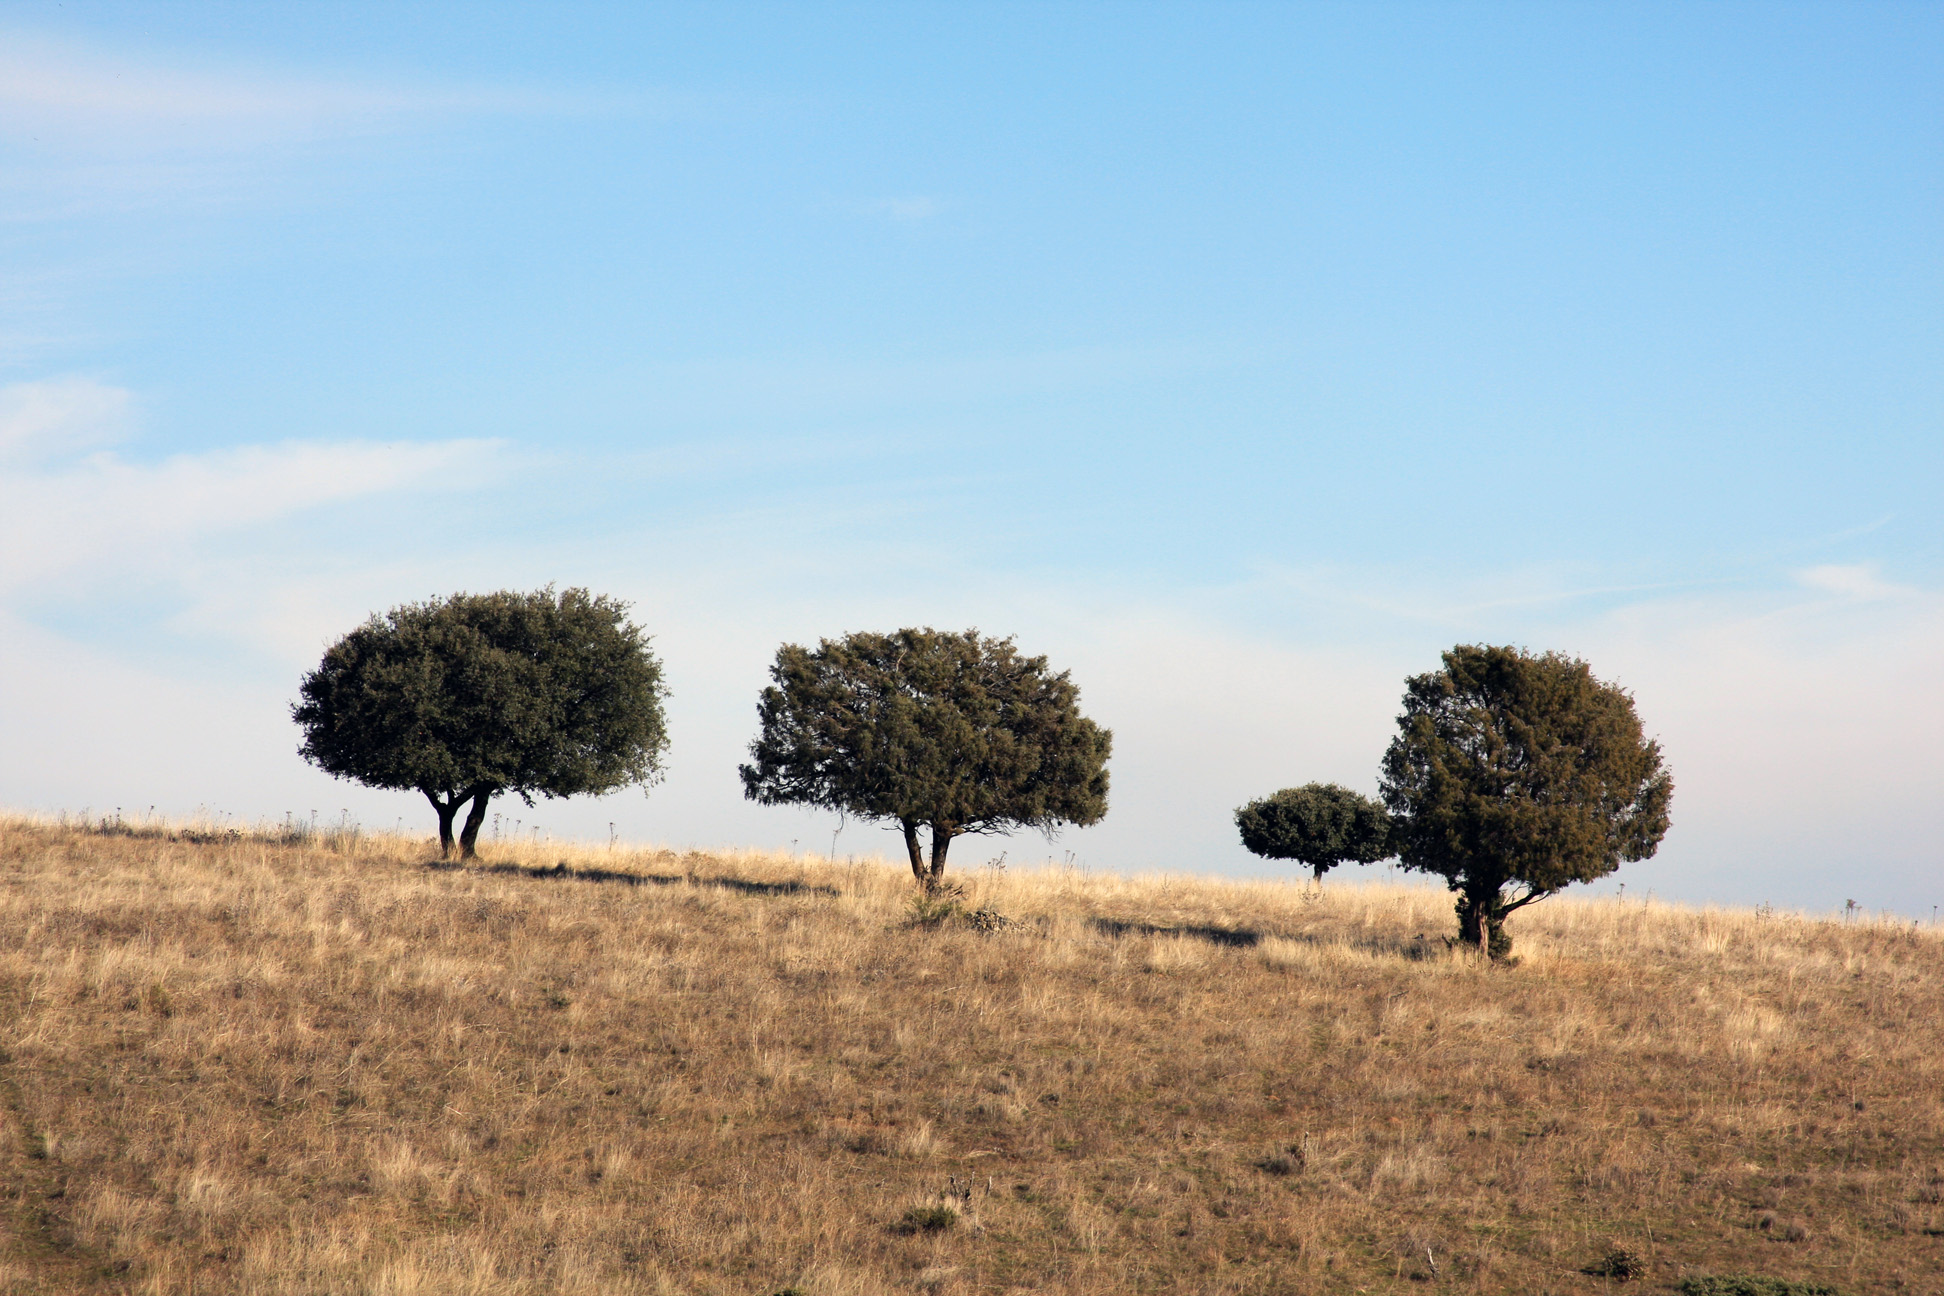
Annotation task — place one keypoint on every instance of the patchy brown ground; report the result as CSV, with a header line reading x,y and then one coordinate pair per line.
x,y
247,1065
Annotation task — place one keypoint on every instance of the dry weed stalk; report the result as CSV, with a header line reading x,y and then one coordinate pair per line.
x,y
303,1065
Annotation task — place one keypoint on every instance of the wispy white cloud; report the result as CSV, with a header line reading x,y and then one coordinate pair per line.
x,y
63,511
1859,581
89,130
57,415
107,509
59,92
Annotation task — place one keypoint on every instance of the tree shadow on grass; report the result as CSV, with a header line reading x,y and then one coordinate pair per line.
x,y
742,886
1232,937
1413,949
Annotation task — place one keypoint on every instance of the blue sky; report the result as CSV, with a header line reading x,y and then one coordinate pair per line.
x,y
1240,358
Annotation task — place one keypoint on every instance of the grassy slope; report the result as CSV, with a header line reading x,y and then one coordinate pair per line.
x,y
261,1067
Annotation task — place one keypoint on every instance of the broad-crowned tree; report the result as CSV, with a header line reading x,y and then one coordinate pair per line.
x,y
1513,775
949,731
1319,824
463,698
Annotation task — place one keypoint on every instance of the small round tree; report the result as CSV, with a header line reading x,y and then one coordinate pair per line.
x,y
949,731
1319,824
467,697
1513,776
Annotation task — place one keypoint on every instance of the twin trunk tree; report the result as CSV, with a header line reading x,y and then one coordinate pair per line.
x,y
464,698
447,805
944,731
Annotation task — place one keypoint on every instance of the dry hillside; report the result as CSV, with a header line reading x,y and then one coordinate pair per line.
x,y
266,1066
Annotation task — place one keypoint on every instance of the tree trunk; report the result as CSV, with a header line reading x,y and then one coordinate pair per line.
x,y
1481,923
1498,946
1473,907
474,817
913,849
1319,872
445,810
941,842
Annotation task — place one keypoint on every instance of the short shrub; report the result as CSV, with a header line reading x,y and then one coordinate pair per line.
x,y
927,1219
1287,1162
1618,1263
929,909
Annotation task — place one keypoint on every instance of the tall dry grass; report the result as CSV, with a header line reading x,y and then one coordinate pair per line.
x,y
295,1063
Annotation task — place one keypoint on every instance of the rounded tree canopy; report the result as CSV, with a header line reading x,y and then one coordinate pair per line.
x,y
1319,824
950,730
1513,775
460,698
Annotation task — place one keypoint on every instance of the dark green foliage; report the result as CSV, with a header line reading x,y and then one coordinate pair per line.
x,y
1618,1263
1752,1287
1514,775
927,1219
465,697
1319,824
928,727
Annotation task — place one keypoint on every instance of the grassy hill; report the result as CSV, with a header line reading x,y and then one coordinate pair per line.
x,y
244,1064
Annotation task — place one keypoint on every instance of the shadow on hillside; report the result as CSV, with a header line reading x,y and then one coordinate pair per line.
x,y
741,886
1414,949
1233,937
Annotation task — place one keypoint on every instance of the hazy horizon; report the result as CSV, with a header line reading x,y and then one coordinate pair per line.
x,y
1238,359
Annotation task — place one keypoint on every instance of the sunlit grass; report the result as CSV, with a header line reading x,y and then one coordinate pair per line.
x,y
281,1058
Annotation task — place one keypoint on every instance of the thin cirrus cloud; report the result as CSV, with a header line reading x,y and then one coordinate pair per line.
x,y
1859,581
61,93
55,415
85,131
68,507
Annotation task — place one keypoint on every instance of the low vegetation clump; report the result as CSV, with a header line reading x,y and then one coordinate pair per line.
x,y
1618,1263
304,1063
927,1219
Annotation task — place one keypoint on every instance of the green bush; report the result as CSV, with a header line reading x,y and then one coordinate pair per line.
x,y
927,1219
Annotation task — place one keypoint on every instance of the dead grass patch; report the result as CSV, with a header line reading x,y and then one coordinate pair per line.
x,y
300,1064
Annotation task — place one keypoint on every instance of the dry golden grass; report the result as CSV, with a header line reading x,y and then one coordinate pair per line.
x,y
246,1065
